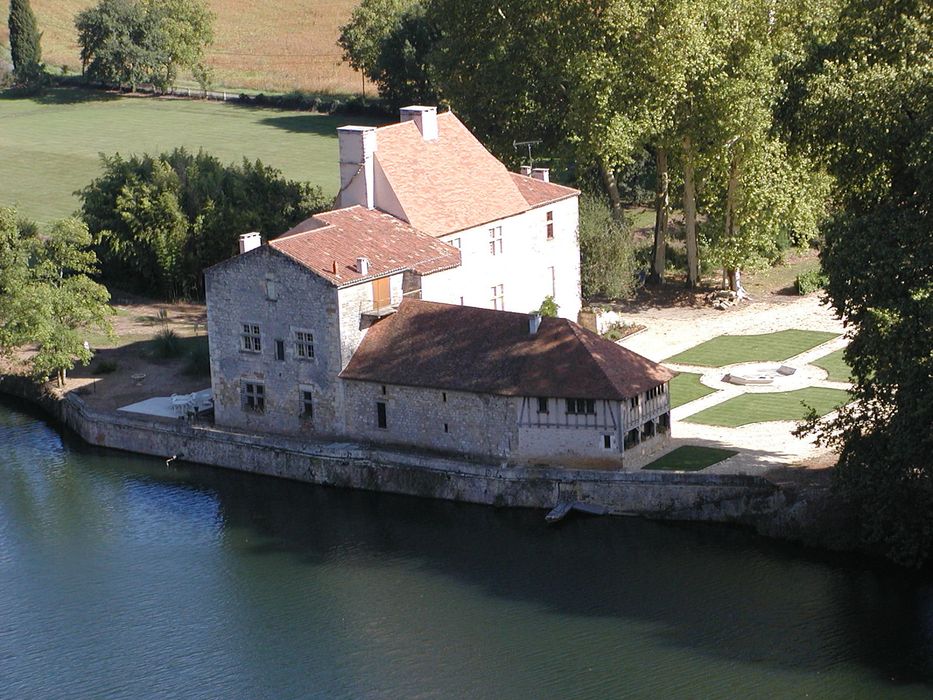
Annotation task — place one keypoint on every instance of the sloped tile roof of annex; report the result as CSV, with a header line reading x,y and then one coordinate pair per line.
x,y
451,183
342,235
463,348
538,193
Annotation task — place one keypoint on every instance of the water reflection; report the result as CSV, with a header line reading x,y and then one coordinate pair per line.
x,y
202,581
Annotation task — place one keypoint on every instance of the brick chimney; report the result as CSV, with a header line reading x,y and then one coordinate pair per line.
x,y
249,241
362,265
357,152
425,118
542,174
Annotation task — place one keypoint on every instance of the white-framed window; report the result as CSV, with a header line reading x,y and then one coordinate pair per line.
x,y
495,240
254,397
307,402
542,404
549,219
272,292
498,297
250,338
304,344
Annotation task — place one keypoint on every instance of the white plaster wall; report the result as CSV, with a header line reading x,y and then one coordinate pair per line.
x,y
522,267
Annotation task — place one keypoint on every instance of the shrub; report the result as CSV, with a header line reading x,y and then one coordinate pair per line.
x,y
810,281
607,252
166,344
105,367
549,307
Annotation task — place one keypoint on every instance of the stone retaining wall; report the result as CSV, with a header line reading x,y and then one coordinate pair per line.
x,y
682,496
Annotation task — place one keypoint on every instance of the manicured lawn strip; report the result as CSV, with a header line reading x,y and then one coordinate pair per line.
x,y
835,366
690,458
49,145
731,349
760,408
686,387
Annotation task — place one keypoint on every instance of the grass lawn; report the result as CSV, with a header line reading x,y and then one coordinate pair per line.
x,y
730,349
686,387
835,366
690,458
760,408
49,146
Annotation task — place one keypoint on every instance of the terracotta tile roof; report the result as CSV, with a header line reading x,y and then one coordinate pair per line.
x,y
343,235
448,184
463,348
537,192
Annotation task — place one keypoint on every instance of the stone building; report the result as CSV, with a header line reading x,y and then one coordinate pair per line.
x,y
504,385
355,321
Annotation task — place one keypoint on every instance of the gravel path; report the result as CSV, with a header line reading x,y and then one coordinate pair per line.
x,y
764,448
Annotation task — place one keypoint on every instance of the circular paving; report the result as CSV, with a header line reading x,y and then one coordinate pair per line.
x,y
762,377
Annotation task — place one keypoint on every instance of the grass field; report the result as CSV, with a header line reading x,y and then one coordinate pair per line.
x,y
261,45
49,146
686,387
731,349
835,366
690,458
760,408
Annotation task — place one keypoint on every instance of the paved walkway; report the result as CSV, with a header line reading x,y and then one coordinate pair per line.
x,y
763,447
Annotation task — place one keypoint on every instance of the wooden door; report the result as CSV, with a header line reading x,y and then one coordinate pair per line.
x,y
381,294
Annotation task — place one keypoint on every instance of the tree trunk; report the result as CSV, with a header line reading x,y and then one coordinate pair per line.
x,y
690,217
612,189
731,275
661,213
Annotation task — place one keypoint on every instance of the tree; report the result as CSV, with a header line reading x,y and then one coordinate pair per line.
x,y
71,301
371,22
157,222
128,42
607,251
866,106
389,42
48,297
25,47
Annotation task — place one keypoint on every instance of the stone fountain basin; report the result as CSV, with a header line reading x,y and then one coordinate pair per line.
x,y
758,376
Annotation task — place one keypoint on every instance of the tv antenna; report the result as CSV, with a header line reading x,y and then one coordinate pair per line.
x,y
528,144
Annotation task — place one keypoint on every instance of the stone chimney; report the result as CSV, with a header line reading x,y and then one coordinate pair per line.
x,y
425,118
357,153
250,241
526,170
534,323
542,174
362,265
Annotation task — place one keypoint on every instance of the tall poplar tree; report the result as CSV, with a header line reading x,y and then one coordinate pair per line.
x,y
25,49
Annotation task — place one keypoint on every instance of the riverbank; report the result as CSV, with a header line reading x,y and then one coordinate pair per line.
x,y
785,511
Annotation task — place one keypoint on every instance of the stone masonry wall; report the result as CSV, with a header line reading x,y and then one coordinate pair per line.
x,y
236,294
466,423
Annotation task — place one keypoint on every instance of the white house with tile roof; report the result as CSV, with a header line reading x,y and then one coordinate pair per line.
x,y
384,319
517,232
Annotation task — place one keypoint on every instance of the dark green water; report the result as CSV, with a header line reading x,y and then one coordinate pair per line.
x,y
120,578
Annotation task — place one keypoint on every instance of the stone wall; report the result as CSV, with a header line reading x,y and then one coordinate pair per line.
x,y
812,516
436,419
237,294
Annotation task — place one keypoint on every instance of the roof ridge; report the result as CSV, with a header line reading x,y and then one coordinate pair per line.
x,y
584,340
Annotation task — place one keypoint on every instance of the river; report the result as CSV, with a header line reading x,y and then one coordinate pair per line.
x,y
123,578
